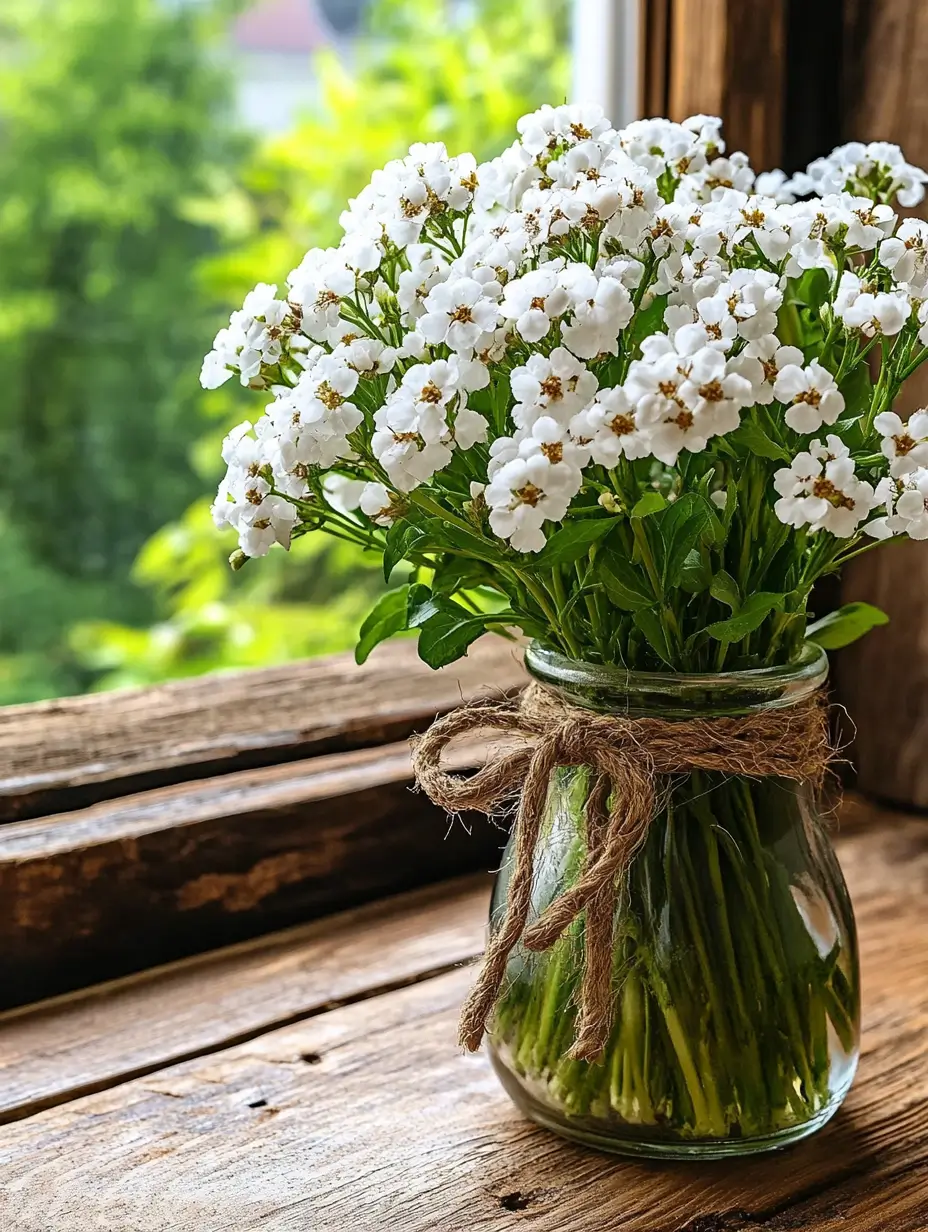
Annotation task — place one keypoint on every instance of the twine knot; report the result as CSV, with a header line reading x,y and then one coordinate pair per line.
x,y
631,761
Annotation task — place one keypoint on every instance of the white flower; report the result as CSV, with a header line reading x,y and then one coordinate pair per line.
x,y
245,499
905,444
458,312
407,192
758,218
524,493
559,386
863,167
252,339
906,503
343,493
367,356
567,124
884,313
534,301
812,396
774,184
715,391
610,428
422,422
820,490
715,326
427,268
402,450
427,389
318,285
316,417
598,321
379,504
556,459
761,362
905,254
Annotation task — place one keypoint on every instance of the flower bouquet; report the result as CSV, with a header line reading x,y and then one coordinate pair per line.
x,y
616,392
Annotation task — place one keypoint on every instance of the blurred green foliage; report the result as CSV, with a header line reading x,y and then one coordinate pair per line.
x,y
424,70
113,121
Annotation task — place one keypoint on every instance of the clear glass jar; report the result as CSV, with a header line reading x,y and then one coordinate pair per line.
x,y
736,968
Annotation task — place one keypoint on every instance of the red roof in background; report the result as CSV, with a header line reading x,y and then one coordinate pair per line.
x,y
281,25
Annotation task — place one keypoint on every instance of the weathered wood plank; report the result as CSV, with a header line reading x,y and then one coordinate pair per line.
x,y
883,679
144,879
392,1128
728,58
74,751
70,1046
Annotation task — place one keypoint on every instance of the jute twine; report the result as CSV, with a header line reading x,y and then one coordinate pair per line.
x,y
631,761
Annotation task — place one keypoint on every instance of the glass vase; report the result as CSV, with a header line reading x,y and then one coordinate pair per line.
x,y
735,971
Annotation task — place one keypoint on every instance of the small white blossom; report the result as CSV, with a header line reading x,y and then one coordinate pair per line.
x,y
904,444
820,490
458,313
611,427
597,321
534,301
884,313
906,503
905,254
559,386
379,504
811,395
761,362
342,493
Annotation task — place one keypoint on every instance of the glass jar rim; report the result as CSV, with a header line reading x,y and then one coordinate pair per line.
x,y
612,688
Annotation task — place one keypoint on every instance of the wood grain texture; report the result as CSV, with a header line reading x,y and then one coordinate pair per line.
x,y
728,58
73,1045
144,879
654,57
882,679
74,751
390,1127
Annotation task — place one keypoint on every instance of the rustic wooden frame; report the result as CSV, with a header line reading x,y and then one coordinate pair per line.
x,y
203,812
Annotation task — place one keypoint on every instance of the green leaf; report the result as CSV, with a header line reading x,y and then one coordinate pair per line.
x,y
400,537
571,542
645,322
857,388
651,502
696,573
624,584
811,289
725,589
465,540
461,573
752,614
751,438
650,625
386,617
683,525
448,632
846,625
421,605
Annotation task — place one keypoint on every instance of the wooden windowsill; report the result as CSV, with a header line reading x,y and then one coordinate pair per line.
x,y
312,1080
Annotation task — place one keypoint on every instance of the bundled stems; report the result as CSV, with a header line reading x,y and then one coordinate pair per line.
x,y
737,992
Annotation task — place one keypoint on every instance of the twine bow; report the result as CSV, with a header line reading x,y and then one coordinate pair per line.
x,y
630,760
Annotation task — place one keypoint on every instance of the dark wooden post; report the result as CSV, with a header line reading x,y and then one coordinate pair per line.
x,y
883,680
791,79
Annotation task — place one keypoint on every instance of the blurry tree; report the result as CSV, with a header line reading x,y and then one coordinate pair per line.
x,y
114,119
424,71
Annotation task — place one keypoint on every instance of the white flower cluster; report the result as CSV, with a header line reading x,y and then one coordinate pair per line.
x,y
856,167
820,490
589,298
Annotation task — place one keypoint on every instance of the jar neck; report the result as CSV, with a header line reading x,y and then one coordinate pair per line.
x,y
616,690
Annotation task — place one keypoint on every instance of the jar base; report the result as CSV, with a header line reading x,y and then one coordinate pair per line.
x,y
584,1130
